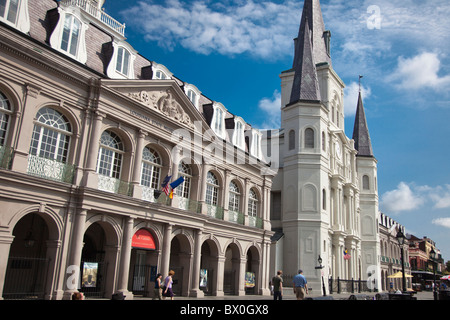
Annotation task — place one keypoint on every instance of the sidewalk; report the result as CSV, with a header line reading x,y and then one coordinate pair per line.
x,y
288,294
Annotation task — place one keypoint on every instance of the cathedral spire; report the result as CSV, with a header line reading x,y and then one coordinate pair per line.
x,y
361,131
306,84
320,38
311,48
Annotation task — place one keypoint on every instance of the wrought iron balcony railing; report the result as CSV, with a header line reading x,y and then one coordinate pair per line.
x,y
50,169
6,154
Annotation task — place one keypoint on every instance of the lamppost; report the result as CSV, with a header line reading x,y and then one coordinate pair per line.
x,y
433,259
401,241
321,267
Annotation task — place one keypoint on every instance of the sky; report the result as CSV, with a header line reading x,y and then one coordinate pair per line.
x,y
233,51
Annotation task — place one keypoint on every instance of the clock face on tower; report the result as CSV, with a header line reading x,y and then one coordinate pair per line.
x,y
338,150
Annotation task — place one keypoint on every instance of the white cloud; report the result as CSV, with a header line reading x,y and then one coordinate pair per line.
x,y
271,108
401,199
421,71
351,93
444,222
263,29
407,197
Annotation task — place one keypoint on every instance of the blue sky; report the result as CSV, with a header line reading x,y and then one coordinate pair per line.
x,y
234,50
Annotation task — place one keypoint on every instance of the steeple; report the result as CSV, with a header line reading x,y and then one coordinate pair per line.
x,y
320,38
306,84
361,132
311,48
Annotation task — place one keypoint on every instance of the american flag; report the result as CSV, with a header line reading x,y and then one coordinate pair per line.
x,y
165,185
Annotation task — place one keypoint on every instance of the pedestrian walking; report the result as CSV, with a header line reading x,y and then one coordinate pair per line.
x,y
300,285
158,287
168,285
277,282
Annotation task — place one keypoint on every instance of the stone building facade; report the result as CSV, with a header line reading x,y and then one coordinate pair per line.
x,y
90,129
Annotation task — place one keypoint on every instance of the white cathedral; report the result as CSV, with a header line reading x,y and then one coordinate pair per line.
x,y
324,196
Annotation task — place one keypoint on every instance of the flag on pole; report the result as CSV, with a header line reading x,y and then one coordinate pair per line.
x,y
171,194
165,185
346,255
177,182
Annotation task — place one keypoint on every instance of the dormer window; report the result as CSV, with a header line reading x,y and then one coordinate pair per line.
x,y
160,75
9,9
123,61
160,72
238,134
192,93
15,13
69,34
218,121
255,147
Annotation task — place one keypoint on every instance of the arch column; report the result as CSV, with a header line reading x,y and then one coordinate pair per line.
x,y
165,259
125,255
5,245
220,275
90,178
195,290
76,249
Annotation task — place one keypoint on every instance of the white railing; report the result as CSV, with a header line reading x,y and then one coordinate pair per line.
x,y
92,8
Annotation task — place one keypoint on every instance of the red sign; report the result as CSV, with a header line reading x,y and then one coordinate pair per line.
x,y
143,239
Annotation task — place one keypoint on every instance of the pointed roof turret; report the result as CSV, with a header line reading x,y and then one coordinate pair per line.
x,y
361,132
311,48
319,36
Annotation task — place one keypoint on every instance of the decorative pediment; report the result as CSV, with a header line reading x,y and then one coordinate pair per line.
x,y
164,102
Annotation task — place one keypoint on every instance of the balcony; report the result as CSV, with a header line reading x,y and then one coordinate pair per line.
x,y
114,185
50,169
236,217
92,9
6,154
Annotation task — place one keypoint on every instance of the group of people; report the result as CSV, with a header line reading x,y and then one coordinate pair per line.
x,y
300,285
164,289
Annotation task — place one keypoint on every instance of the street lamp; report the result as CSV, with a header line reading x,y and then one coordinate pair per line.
x,y
433,259
401,241
321,267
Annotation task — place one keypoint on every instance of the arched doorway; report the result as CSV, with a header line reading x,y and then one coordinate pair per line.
x,y
252,284
143,263
208,267
231,270
180,262
28,263
98,260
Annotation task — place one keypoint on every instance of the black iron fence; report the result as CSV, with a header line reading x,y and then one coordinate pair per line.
x,y
336,285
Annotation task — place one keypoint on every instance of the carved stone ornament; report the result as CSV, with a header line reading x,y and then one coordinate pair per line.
x,y
164,103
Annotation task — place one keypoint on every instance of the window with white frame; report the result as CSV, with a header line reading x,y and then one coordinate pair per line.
x,y
192,96
212,189
51,135
184,189
218,121
238,137
151,168
15,14
9,10
71,34
110,155
123,61
234,197
5,115
256,144
252,203
160,75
